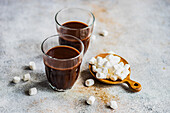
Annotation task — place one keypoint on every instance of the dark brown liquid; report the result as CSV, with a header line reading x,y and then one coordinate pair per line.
x,y
62,78
77,29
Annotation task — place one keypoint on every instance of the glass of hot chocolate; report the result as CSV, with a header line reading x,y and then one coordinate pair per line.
x,y
62,60
76,22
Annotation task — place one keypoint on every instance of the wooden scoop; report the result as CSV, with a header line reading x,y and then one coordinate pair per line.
x,y
135,86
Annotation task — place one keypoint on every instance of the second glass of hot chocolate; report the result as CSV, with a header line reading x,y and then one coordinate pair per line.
x,y
76,22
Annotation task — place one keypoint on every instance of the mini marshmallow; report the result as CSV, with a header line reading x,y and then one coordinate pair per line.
x,y
111,52
32,91
26,77
122,76
119,71
104,60
109,57
93,37
115,59
89,82
16,79
32,65
112,104
99,61
107,64
116,67
94,68
90,100
105,70
114,77
108,76
103,33
121,64
99,70
126,72
101,75
127,66
111,70
93,60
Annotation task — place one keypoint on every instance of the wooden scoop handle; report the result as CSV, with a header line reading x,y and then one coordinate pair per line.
x,y
135,86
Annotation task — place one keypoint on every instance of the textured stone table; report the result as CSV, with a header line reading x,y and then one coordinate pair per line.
x,y
139,30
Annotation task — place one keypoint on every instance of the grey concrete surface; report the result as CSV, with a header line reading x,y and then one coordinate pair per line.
x,y
139,31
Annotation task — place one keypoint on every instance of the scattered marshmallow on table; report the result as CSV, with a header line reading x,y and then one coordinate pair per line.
x,y
26,77
32,91
103,33
32,65
112,104
90,100
16,79
89,82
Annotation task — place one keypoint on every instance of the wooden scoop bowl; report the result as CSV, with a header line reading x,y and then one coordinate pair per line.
x,y
135,86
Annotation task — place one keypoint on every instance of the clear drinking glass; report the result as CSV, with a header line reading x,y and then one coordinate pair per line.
x,y
62,61
76,22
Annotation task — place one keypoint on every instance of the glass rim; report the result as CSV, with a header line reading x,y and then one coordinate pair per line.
x,y
78,9
81,52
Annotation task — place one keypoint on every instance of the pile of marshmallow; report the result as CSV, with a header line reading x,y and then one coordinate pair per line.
x,y
109,67
27,77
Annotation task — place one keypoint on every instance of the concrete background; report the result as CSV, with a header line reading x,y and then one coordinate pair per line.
x,y
139,31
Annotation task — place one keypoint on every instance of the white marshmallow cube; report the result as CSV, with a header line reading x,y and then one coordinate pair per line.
x,y
116,59
119,71
93,60
26,77
89,82
124,74
109,57
90,100
94,68
104,33
105,70
114,77
32,65
16,79
108,76
111,70
112,104
116,67
101,75
99,70
32,91
107,64
121,64
100,61
127,66
104,60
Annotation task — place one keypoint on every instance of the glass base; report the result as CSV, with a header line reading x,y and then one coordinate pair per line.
x,y
59,90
